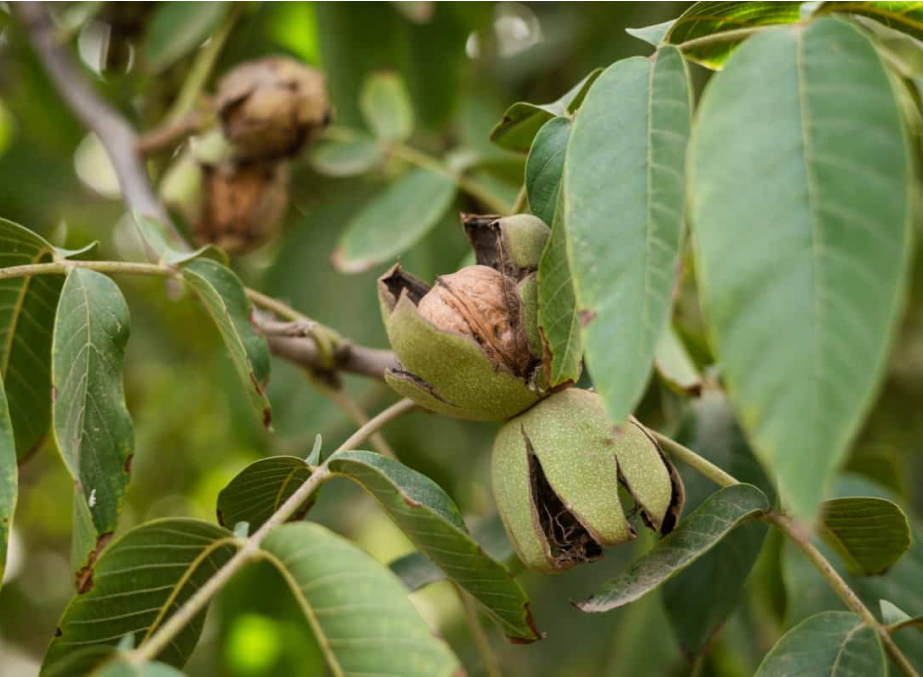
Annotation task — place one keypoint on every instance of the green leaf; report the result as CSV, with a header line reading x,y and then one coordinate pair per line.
x,y
830,644
522,120
358,609
906,17
333,157
807,592
137,584
163,244
431,520
258,490
674,364
652,35
92,426
545,166
624,204
9,478
696,534
395,220
698,600
870,534
708,32
802,236
898,619
27,307
386,107
416,570
223,296
557,307
176,29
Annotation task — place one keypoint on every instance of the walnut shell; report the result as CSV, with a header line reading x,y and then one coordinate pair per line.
x,y
272,107
244,205
481,303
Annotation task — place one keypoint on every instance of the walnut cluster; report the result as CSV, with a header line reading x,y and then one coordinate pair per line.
x,y
482,303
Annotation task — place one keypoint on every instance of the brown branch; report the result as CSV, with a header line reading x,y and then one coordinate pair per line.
x,y
170,134
115,134
123,146
353,359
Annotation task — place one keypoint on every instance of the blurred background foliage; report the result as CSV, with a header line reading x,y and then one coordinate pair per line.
x,y
463,64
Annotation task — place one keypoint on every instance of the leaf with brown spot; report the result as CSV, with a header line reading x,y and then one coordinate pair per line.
x,y
223,296
92,425
140,580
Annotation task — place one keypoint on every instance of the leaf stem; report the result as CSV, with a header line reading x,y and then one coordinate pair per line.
x,y
201,69
488,658
719,38
693,460
162,637
799,537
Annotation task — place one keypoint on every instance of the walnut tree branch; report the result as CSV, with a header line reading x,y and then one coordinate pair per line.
x,y
371,362
115,134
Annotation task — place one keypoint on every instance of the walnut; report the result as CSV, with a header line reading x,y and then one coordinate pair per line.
x,y
243,205
482,303
272,107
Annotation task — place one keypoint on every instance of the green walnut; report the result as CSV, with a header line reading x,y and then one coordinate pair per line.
x,y
469,346
566,482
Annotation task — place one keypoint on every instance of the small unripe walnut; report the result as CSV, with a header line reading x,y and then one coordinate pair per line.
x,y
243,205
272,107
482,303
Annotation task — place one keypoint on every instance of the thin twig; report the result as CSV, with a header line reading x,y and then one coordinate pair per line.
x,y
350,358
161,638
693,460
355,412
170,134
800,538
201,69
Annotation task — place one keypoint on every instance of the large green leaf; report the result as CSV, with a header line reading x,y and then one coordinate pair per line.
x,y
431,520
708,32
395,220
177,28
9,478
830,644
802,235
258,490
92,426
870,534
27,307
906,17
137,584
557,306
223,296
624,201
386,107
359,611
522,120
696,534
698,600
545,167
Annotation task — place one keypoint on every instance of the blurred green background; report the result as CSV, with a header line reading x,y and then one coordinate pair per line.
x,y
463,63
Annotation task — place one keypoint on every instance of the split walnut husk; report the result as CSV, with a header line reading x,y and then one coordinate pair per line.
x,y
563,479
469,345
